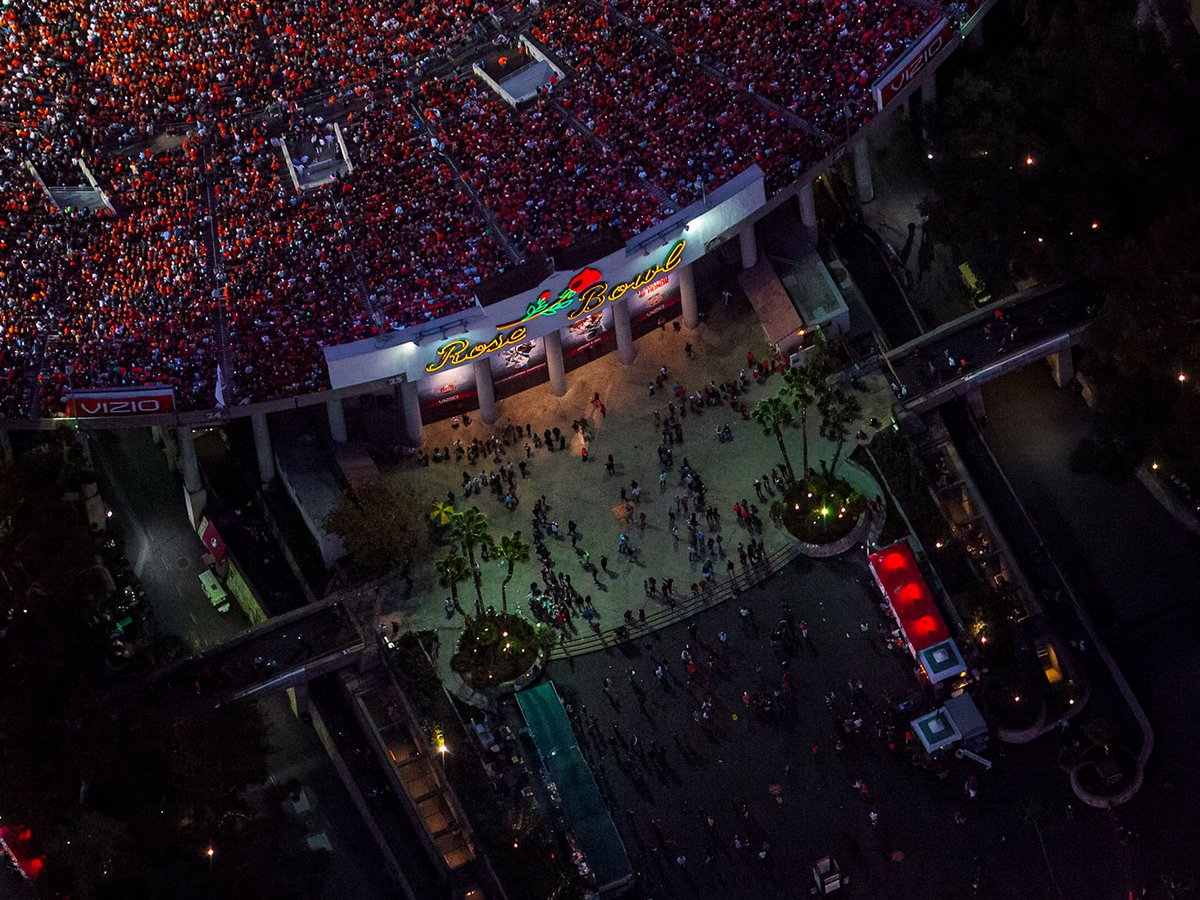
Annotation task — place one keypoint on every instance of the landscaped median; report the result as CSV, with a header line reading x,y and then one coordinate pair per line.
x,y
498,652
820,509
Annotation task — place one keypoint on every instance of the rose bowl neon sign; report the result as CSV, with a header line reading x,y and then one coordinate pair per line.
x,y
587,291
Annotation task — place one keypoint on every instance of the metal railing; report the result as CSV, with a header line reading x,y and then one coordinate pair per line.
x,y
709,596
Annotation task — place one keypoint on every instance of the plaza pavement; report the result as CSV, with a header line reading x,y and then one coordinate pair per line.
x,y
740,755
1071,853
584,493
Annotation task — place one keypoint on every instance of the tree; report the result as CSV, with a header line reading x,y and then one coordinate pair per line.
x,y
839,411
377,529
512,550
452,571
803,387
469,528
773,414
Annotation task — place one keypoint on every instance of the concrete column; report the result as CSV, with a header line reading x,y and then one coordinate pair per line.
x,y
194,496
626,352
299,700
337,420
862,171
6,451
974,400
687,297
1062,366
749,244
262,447
187,459
929,90
808,210
486,390
413,425
554,363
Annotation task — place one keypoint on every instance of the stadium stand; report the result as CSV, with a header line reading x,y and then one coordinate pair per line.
x,y
211,257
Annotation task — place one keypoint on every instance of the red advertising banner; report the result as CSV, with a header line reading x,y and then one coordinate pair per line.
x,y
940,35
147,401
213,542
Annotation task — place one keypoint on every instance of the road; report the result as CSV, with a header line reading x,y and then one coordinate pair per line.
x,y
356,869
1135,566
147,503
873,275
741,754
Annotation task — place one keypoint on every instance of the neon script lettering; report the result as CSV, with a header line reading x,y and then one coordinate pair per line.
x,y
592,291
542,306
587,287
460,350
601,293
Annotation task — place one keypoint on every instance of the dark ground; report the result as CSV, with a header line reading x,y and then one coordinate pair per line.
x,y
711,770
1134,566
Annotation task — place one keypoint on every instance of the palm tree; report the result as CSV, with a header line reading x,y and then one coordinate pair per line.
x,y
803,387
839,411
470,529
452,570
512,550
773,414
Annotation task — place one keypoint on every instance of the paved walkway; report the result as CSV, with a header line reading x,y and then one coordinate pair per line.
x,y
796,781
586,494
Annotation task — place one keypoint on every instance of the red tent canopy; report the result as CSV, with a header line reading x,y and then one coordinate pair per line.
x,y
18,844
896,573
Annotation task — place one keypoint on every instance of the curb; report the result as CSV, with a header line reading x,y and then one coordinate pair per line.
x,y
858,535
1168,500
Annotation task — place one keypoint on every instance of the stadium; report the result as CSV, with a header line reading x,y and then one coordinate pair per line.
x,y
221,209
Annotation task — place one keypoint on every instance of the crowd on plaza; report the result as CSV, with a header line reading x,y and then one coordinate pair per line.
x,y
501,465
141,293
721,684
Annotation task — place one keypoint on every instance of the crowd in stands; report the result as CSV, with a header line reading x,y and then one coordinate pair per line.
x,y
101,299
390,246
107,69
334,44
688,131
817,59
643,126
545,182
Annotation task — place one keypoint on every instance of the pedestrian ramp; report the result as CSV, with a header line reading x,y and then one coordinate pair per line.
x,y
573,787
